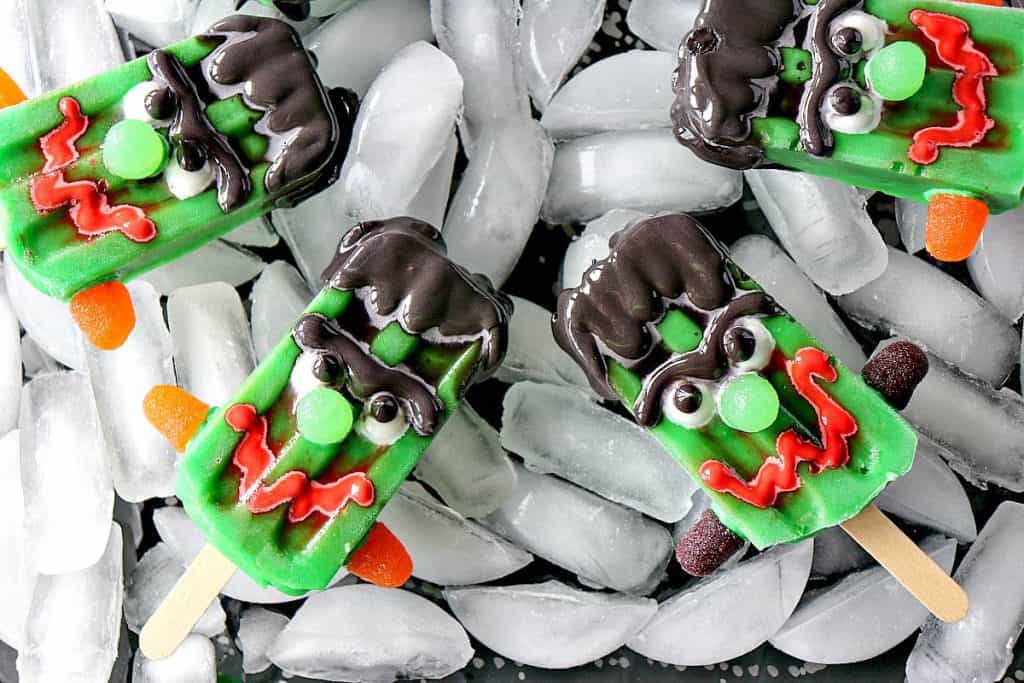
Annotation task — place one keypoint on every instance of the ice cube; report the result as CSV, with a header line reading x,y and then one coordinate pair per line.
x,y
764,261
824,225
141,460
482,37
549,625
662,24
558,430
35,360
47,320
71,40
157,22
258,628
213,351
980,430
74,620
368,633
555,35
466,465
911,220
918,301
628,91
533,354
605,543
431,201
995,264
446,548
210,12
16,52
498,200
278,297
255,233
646,170
64,469
16,577
217,261
592,244
730,612
354,45
979,647
10,361
194,661
860,617
151,581
835,553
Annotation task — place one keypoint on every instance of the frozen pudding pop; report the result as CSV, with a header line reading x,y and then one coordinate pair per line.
x,y
287,479
922,99
115,175
783,439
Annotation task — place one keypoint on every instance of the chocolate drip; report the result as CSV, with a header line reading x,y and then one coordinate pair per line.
x,y
267,57
403,264
368,376
191,128
814,134
731,46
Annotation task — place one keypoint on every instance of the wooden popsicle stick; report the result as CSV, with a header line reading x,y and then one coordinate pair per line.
x,y
185,604
908,564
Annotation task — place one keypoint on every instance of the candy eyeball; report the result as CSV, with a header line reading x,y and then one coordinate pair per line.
x,y
688,404
383,420
854,34
748,345
187,184
315,370
848,109
151,102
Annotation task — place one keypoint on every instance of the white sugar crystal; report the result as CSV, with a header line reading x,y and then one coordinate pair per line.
x,y
278,298
446,548
824,225
555,34
47,320
918,301
645,170
258,628
729,613
10,361
558,430
151,581
995,264
216,261
367,633
64,467
627,91
549,625
71,40
533,354
592,244
194,661
158,22
16,577
662,23
498,201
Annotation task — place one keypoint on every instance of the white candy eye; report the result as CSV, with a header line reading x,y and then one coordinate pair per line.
x,y
313,370
854,34
688,404
139,102
748,345
383,421
187,184
848,109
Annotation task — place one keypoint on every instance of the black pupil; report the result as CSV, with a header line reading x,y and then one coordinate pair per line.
x,y
383,408
848,41
845,101
701,40
160,103
687,398
740,344
326,369
191,157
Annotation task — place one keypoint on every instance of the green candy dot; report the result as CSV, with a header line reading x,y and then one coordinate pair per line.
x,y
749,403
133,150
324,417
796,65
896,73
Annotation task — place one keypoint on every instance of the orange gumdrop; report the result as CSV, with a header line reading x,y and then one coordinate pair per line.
x,y
381,559
175,413
954,226
105,314
10,93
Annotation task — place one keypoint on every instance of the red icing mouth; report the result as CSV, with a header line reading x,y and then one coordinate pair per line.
x,y
952,38
255,459
778,474
91,212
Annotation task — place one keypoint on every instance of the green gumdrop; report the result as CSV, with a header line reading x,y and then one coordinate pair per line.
x,y
897,72
749,403
796,65
133,150
324,417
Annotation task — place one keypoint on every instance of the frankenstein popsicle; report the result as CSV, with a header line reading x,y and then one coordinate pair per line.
x,y
783,438
286,481
922,99
110,177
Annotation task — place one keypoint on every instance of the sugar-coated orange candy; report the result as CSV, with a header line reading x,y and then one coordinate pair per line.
x,y
105,314
175,413
10,93
381,559
954,226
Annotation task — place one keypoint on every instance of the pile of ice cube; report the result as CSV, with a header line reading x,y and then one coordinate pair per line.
x,y
545,542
